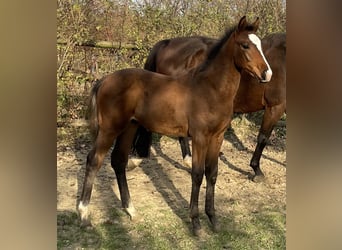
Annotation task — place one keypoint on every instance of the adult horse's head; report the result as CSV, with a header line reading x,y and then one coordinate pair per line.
x,y
248,54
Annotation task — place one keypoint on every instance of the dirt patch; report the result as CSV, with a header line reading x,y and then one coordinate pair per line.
x,y
162,184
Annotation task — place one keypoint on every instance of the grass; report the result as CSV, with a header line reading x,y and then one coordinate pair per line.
x,y
264,230
71,235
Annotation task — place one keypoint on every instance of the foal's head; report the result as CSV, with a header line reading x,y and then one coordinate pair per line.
x,y
248,54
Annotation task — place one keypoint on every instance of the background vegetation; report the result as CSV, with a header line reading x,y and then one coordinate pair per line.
x,y
96,37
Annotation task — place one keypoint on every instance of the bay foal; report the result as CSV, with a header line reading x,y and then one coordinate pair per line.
x,y
198,104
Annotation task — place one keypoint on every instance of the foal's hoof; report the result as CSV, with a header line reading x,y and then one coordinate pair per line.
x,y
86,223
198,232
258,178
196,228
83,213
214,223
216,227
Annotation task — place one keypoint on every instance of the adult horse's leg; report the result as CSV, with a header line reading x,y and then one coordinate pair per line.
x,y
119,159
103,142
199,148
186,153
142,142
211,168
271,116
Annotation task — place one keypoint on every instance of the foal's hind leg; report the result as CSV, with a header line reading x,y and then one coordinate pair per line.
x,y
211,169
186,153
94,161
271,116
119,159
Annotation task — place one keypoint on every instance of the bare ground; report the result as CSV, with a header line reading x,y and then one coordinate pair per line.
x,y
160,186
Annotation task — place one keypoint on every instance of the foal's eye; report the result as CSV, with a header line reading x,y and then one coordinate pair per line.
x,y
245,45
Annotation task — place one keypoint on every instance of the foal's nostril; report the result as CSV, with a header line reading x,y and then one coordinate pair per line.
x,y
263,75
266,75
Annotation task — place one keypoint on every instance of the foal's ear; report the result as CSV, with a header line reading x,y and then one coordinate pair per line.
x,y
242,23
256,24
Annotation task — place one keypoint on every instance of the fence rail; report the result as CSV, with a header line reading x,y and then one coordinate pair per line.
x,y
79,65
103,44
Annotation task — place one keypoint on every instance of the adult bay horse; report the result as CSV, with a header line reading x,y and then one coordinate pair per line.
x,y
197,104
179,55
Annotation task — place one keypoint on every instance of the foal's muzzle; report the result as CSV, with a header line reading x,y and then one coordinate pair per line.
x,y
266,75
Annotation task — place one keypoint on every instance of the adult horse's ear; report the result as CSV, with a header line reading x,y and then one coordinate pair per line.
x,y
242,23
256,24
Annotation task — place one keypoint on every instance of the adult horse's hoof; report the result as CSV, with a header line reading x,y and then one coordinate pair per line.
x,y
133,163
188,161
258,178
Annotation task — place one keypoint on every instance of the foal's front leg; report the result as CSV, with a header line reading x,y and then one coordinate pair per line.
x,y
211,169
198,158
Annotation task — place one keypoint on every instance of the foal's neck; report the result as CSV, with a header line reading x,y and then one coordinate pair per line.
x,y
222,71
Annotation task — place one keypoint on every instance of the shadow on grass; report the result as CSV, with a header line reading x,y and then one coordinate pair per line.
x,y
265,229
164,185
231,136
233,167
71,235
157,146
107,235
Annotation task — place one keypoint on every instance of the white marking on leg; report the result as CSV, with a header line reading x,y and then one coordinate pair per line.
x,y
83,210
256,40
131,210
188,161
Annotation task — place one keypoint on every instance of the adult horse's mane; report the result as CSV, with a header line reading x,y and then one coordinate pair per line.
x,y
275,40
151,60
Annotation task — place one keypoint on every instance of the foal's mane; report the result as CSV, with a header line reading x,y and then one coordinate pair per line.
x,y
220,43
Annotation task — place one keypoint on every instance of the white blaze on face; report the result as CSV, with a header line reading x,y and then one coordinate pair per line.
x,y
256,40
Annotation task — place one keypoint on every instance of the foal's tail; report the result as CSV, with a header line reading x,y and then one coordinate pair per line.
x,y
91,115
